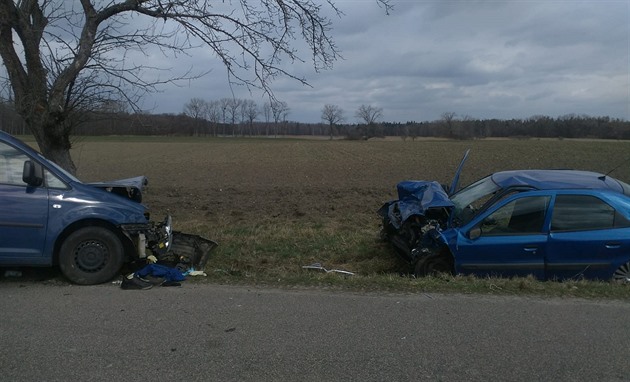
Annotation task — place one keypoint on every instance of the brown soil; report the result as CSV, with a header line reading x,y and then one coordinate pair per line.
x,y
243,179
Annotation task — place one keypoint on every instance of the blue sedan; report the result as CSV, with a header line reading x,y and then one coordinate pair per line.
x,y
552,224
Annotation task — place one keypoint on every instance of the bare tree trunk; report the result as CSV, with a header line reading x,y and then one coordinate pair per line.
x,y
59,155
53,137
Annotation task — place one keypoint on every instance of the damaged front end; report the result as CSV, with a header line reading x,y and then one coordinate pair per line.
x,y
157,242
413,223
130,188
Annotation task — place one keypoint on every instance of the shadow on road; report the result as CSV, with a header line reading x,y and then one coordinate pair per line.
x,y
32,275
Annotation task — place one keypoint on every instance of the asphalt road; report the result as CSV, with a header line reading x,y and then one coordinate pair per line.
x,y
55,332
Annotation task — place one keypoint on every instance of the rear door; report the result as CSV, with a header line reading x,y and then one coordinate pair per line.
x,y
587,237
23,212
509,240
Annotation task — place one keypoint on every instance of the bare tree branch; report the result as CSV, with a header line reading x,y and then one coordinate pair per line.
x,y
69,53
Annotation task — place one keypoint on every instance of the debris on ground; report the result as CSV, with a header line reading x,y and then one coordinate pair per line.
x,y
187,255
319,267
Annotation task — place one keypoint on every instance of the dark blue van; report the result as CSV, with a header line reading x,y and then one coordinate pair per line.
x,y
49,217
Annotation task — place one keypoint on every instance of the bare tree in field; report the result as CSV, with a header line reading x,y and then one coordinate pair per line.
x,y
448,118
279,111
61,54
332,114
224,103
370,116
249,112
196,108
231,112
267,114
213,115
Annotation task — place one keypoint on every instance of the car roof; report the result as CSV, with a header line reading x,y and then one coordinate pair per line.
x,y
557,179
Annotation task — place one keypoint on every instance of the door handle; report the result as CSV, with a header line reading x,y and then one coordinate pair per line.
x,y
613,245
531,248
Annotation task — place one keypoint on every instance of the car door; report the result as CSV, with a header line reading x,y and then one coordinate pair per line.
x,y
509,240
586,237
23,212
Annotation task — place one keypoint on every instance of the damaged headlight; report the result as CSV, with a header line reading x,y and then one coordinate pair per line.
x,y
160,237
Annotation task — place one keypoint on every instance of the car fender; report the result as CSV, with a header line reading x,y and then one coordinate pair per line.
x,y
69,207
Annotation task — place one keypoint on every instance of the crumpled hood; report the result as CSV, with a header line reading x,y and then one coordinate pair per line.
x,y
415,197
130,187
429,194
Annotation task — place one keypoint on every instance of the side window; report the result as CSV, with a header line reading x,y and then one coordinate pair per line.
x,y
584,212
519,217
52,181
11,165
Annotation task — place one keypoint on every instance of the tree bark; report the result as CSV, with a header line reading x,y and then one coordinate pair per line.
x,y
53,138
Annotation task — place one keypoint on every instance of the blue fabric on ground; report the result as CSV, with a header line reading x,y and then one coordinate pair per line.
x,y
157,270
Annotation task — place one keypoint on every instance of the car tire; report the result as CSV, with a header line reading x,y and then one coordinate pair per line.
x,y
433,265
622,274
91,255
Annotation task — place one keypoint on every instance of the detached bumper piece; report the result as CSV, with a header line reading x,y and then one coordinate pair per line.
x,y
188,252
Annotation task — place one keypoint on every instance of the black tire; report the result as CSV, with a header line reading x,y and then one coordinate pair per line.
x,y
433,265
91,255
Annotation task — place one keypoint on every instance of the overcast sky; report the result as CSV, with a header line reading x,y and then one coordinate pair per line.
x,y
481,59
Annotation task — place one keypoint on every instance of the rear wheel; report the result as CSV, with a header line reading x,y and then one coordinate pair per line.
x,y
622,274
91,255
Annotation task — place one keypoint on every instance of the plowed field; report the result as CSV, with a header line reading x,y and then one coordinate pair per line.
x,y
308,179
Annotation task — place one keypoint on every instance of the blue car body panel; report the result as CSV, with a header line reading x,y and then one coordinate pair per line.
x,y
455,182
23,225
590,254
504,255
556,179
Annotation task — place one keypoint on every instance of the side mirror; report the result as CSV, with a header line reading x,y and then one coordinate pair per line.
x,y
33,174
475,233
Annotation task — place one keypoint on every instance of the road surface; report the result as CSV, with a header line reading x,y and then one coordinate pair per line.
x,y
201,332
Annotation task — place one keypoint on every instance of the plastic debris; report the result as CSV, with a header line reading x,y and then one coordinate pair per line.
x,y
319,267
196,273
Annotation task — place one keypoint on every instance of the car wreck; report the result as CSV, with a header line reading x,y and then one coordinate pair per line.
x,y
90,230
552,224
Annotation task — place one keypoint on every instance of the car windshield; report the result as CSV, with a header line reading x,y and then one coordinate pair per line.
x,y
471,198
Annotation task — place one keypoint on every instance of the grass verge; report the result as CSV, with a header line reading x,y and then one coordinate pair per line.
x,y
273,253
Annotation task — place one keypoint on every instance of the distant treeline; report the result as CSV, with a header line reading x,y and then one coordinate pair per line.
x,y
568,126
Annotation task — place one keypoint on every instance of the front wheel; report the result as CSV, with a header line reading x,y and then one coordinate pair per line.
x,y
91,255
433,265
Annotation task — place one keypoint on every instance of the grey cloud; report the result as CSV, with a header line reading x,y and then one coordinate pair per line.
x,y
485,59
